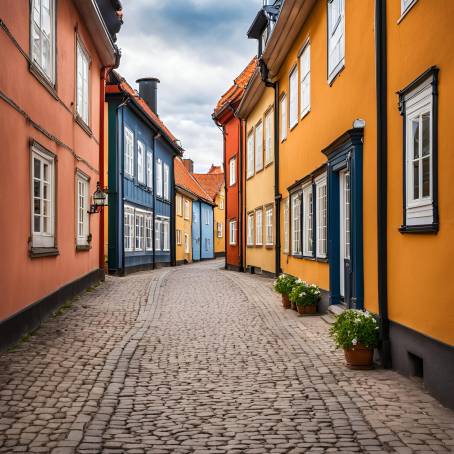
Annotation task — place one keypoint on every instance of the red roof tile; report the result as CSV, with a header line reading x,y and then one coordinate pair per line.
x,y
211,182
185,180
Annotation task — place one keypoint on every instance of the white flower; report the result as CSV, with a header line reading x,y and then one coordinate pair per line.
x,y
354,341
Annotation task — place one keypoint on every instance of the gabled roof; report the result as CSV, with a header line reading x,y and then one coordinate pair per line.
x,y
118,84
235,92
215,169
184,180
211,182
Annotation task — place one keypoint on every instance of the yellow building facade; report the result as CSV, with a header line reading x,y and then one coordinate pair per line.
x,y
219,223
183,227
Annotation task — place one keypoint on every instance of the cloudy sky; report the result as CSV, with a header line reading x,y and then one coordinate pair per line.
x,y
196,48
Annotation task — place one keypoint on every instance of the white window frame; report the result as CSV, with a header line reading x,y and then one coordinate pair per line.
x,y
186,243
250,154
286,225
321,218
36,15
129,152
232,171
140,162
207,244
149,231
232,232
305,80
129,228
139,225
221,203
308,221
159,178
283,115
157,233
187,211
82,83
166,234
250,229
166,181
220,229
269,137
150,169
178,237
269,226
336,37
206,215
259,227
44,237
296,223
293,97
179,204
82,207
405,6
258,141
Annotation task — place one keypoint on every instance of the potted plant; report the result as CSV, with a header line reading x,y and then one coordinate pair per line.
x,y
306,297
357,333
283,285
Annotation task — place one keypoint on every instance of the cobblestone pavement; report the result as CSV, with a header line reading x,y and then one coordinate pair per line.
x,y
200,360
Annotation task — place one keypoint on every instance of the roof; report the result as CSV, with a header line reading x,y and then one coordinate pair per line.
x,y
211,182
185,180
215,169
235,92
124,87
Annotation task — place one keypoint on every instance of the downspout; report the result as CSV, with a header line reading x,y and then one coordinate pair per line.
x,y
382,178
154,204
244,207
240,196
173,256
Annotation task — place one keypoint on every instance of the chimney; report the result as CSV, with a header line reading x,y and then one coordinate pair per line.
x,y
148,91
189,164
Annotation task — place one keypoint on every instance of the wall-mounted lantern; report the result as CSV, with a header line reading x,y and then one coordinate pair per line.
x,y
99,199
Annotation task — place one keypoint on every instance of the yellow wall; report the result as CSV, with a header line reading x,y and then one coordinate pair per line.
x,y
106,181
260,189
219,216
333,110
185,226
420,266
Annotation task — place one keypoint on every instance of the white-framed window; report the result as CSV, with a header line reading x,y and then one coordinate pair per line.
x,y
232,171
43,37
286,226
157,232
149,232
220,229
405,5
308,221
43,198
221,203
250,154
187,209
166,234
166,182
140,231
293,97
232,232
206,216
82,83
207,244
82,206
179,237
259,227
179,204
269,137
259,147
250,229
336,37
321,219
140,162
296,224
128,228
129,152
283,109
150,169
305,80
186,243
159,178
269,226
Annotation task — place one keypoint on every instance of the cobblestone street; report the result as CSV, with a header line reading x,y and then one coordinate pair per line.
x,y
196,359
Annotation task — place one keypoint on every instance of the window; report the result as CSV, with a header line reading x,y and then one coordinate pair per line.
x,y
82,220
179,237
159,178
140,162
258,227
149,169
82,81
269,226
321,217
305,81
405,5
308,222
179,203
43,37
206,216
296,224
149,232
286,226
43,206
250,154
220,229
166,234
157,229
129,152
293,98
166,182
232,171
269,137
336,38
128,228
140,231
232,232
283,106
250,229
259,147
221,203
186,243
187,211
417,103
207,244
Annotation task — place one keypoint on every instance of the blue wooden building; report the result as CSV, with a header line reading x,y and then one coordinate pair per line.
x,y
140,178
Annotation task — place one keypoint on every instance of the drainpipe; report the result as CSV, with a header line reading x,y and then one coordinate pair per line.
x,y
173,255
382,178
240,196
154,204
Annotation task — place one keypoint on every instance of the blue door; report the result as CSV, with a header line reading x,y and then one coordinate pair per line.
x,y
196,231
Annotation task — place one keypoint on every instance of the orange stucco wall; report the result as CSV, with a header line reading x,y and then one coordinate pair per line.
x,y
333,110
420,266
24,280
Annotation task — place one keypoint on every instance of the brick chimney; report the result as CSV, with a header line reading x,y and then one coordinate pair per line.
x,y
189,164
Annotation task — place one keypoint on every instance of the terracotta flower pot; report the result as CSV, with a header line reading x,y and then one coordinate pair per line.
x,y
359,357
312,309
285,302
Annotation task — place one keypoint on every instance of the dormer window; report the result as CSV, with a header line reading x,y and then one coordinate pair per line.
x,y
265,36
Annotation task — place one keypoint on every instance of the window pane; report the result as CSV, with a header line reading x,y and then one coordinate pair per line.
x,y
37,205
36,188
45,63
426,134
36,168
426,177
416,180
415,129
36,224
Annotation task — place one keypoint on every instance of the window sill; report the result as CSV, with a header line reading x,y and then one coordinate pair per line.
x,y
83,125
291,128
336,73
51,88
404,14
82,247
426,228
268,164
250,246
258,170
305,113
37,252
283,139
269,246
